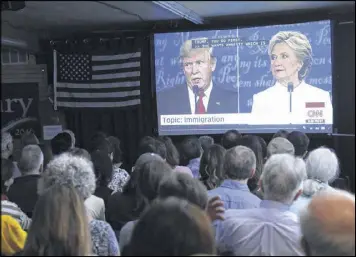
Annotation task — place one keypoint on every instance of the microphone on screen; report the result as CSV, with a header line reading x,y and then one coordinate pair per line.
x,y
290,90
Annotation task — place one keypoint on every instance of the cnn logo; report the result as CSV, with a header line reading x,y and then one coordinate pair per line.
x,y
315,113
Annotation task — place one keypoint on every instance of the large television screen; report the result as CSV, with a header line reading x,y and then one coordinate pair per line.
x,y
255,80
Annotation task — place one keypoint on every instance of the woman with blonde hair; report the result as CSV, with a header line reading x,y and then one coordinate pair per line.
x,y
291,59
60,225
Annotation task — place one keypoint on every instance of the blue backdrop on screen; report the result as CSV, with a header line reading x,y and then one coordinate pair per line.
x,y
244,68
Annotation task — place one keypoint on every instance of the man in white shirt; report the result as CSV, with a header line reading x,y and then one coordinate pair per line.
x,y
200,95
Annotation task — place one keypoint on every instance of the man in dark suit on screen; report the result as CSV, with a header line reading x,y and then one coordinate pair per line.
x,y
199,95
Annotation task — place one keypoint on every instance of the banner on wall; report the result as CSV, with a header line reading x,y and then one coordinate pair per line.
x,y
19,109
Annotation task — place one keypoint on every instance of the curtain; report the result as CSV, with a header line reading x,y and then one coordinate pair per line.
x,y
129,124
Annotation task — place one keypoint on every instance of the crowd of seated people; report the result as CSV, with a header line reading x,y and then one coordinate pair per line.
x,y
242,196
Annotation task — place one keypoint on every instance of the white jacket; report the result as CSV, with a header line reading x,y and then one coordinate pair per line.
x,y
272,106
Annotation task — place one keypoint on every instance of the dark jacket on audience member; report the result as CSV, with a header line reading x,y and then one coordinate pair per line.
x,y
104,193
121,208
23,192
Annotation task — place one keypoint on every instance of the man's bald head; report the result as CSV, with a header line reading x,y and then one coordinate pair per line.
x,y
328,224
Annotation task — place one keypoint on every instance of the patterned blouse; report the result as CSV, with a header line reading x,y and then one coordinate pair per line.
x,y
103,238
119,179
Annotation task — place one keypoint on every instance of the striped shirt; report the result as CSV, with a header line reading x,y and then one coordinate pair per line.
x,y
11,209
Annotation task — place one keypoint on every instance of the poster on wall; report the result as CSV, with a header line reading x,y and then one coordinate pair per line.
x,y
19,109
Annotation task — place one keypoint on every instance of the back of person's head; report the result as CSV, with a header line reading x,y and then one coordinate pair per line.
x,y
81,152
212,166
328,224
68,170
300,142
61,143
59,224
7,145
322,168
254,144
28,138
180,229
152,145
31,160
239,163
281,133
116,147
279,145
206,142
282,178
230,139
102,167
183,186
190,148
13,237
172,157
99,142
150,175
7,168
72,136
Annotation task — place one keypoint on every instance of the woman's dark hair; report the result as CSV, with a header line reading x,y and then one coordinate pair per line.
x,y
99,142
61,143
115,145
184,186
172,157
211,166
102,167
80,152
150,175
263,146
59,225
180,229
252,142
189,149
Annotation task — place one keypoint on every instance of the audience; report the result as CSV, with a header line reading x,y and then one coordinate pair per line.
x,y
103,173
60,224
211,166
156,211
13,237
270,229
180,229
300,142
230,139
69,170
149,177
206,142
172,157
123,207
328,224
7,207
322,168
61,143
23,191
119,175
7,148
239,166
190,154
279,145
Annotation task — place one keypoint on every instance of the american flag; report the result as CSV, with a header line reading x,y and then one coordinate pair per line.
x,y
96,81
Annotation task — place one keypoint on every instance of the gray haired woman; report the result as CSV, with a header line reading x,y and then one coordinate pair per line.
x,y
322,168
291,59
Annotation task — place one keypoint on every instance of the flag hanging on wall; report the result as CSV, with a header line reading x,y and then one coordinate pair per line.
x,y
96,81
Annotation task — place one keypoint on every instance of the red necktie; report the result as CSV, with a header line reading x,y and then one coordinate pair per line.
x,y
200,105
